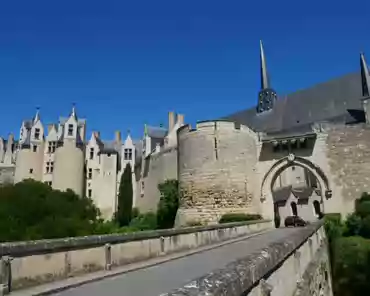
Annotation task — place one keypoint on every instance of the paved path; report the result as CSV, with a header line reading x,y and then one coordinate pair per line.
x,y
173,274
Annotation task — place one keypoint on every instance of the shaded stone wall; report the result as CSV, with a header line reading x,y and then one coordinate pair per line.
x,y
154,170
348,153
217,164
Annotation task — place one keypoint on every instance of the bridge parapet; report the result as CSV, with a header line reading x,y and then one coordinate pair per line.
x,y
25,264
297,266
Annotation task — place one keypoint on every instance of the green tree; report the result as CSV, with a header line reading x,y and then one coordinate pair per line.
x,y
125,196
31,210
353,225
351,266
168,204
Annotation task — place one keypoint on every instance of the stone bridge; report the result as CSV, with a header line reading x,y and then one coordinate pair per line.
x,y
249,258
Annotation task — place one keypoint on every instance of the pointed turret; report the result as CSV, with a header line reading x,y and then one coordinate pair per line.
x,y
365,77
73,112
266,96
37,115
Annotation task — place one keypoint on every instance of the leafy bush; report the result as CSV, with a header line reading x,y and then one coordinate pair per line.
x,y
168,204
135,212
363,208
147,221
351,266
31,210
353,225
238,217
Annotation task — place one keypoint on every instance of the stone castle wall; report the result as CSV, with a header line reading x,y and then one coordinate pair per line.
x,y
217,163
348,153
154,170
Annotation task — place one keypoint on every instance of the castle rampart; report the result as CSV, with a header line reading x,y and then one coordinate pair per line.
x,y
217,161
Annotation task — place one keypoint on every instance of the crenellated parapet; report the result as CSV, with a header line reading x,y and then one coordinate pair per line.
x,y
216,165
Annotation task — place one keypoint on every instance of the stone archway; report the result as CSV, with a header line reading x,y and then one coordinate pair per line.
x,y
277,168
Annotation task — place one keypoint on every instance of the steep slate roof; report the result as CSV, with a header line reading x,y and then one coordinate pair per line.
x,y
337,100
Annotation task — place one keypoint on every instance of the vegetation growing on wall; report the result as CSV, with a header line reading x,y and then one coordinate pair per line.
x,y
125,198
350,249
168,204
239,217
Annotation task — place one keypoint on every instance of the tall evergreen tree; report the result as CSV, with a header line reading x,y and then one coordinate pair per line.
x,y
125,196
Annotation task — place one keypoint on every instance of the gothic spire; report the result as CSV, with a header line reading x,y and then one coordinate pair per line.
x,y
264,75
365,77
267,96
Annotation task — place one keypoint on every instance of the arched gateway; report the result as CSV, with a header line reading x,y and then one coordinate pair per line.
x,y
277,168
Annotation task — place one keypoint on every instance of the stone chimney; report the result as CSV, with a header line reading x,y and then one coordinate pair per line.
x,y
117,136
171,120
180,119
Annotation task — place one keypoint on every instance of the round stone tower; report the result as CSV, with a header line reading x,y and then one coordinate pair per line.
x,y
70,157
69,168
216,171
29,164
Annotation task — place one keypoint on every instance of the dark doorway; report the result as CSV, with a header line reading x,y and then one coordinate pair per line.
x,y
293,205
316,206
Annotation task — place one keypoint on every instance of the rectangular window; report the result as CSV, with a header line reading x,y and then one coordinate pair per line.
x,y
49,183
50,167
91,153
51,147
37,133
128,154
31,171
89,174
70,129
89,193
34,148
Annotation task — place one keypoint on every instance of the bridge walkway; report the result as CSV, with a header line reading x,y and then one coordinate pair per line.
x,y
169,275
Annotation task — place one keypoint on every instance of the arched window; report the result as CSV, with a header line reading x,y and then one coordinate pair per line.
x,y
293,205
316,206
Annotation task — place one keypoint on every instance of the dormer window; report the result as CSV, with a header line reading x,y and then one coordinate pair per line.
x,y
52,146
37,133
128,154
70,129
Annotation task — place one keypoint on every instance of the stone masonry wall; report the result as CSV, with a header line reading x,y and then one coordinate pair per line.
x,y
348,152
155,169
217,163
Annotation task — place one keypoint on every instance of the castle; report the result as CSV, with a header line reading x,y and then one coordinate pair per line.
x,y
62,158
303,154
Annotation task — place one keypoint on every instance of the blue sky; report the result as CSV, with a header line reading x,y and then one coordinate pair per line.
x,y
126,63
